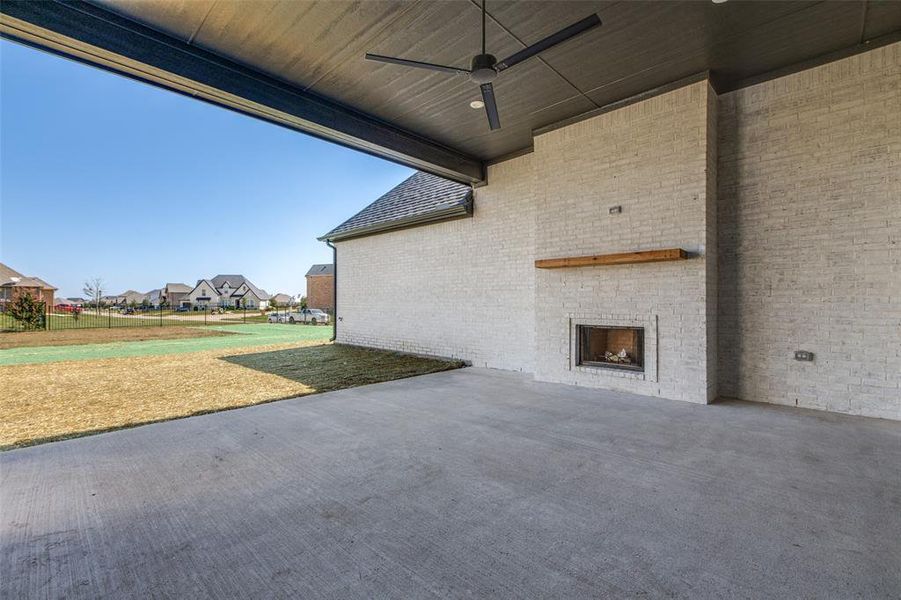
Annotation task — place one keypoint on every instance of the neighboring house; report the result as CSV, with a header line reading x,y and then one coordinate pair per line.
x,y
204,295
175,294
227,291
109,300
281,300
130,297
238,291
321,287
76,301
154,297
13,285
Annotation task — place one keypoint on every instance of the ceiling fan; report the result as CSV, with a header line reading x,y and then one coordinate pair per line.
x,y
485,68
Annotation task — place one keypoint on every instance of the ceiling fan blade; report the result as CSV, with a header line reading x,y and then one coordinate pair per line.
x,y
550,41
494,121
415,63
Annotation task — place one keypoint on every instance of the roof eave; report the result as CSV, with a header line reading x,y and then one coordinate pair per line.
x,y
457,211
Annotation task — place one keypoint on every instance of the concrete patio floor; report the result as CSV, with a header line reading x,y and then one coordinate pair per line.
x,y
464,483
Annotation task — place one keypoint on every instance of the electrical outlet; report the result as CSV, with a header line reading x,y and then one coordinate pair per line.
x,y
803,355
615,210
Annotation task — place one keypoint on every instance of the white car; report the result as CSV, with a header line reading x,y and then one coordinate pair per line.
x,y
313,316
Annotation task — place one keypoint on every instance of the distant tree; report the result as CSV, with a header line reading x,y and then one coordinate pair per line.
x,y
93,289
303,302
27,311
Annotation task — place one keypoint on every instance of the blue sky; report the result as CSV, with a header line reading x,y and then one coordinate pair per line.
x,y
102,176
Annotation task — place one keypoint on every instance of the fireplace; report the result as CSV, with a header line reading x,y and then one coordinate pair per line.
x,y
610,347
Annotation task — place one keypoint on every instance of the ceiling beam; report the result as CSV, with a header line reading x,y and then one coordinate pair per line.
x,y
101,38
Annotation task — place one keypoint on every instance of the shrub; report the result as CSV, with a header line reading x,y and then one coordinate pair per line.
x,y
27,311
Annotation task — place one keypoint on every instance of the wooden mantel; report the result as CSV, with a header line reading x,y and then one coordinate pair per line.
x,y
622,258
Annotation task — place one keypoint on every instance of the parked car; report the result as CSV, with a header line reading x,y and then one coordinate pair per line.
x,y
128,311
183,309
313,316
276,318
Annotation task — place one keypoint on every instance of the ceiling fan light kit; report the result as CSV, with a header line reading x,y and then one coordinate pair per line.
x,y
485,68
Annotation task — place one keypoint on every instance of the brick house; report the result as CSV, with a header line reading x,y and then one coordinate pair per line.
x,y
13,285
280,300
779,216
321,287
173,294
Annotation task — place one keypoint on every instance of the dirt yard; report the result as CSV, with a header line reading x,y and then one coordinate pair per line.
x,y
42,402
71,337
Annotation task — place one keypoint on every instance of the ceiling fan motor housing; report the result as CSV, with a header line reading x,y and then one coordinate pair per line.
x,y
483,70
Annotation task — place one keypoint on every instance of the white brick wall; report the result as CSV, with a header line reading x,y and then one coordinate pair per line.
x,y
797,225
651,159
468,288
462,288
810,237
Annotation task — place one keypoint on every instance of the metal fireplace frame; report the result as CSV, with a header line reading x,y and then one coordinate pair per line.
x,y
636,368
648,322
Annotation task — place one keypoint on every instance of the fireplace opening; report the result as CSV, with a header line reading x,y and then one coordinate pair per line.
x,y
610,347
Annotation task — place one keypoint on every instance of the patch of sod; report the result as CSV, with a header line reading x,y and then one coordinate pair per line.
x,y
245,336
333,367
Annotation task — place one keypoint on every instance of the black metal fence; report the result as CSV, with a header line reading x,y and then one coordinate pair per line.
x,y
58,318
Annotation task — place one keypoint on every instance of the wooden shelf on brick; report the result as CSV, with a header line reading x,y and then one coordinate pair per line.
x,y
622,258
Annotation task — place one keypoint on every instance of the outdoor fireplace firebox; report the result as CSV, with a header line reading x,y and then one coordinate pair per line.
x,y
611,347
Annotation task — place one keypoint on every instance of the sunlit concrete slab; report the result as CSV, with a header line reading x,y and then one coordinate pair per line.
x,y
465,483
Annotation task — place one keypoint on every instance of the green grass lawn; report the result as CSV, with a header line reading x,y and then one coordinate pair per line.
x,y
243,336
90,320
255,317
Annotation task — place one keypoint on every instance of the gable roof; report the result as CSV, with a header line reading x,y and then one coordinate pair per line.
x,y
206,281
30,282
422,198
46,285
328,269
177,288
7,273
11,278
132,296
232,280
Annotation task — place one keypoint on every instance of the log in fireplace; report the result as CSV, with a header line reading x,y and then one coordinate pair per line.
x,y
610,347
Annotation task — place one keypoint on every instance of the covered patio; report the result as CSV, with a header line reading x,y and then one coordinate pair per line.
x,y
474,483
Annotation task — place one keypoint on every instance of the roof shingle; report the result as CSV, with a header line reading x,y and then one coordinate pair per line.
x,y
422,198
323,269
